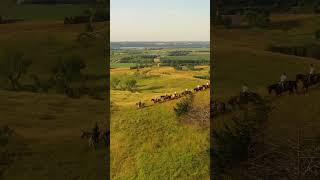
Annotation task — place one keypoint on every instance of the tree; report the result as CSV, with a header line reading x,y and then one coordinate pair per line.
x,y
67,72
183,106
14,67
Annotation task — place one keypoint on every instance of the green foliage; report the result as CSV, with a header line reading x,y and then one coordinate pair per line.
x,y
183,106
123,83
67,75
131,84
14,67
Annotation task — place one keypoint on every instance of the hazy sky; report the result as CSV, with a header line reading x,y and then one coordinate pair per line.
x,y
160,20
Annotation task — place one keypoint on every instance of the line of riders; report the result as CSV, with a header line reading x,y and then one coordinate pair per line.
x,y
175,95
282,86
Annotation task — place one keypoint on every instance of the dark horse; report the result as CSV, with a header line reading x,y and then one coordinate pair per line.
x,y
305,79
290,86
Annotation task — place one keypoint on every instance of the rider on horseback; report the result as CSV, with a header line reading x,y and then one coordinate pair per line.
x,y
283,79
311,73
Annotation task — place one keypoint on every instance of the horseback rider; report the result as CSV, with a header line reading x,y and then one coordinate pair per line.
x,y
283,79
311,73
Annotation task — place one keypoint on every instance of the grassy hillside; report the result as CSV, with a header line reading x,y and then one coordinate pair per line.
x,y
152,143
46,143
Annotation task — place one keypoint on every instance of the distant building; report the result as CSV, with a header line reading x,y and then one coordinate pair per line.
x,y
157,61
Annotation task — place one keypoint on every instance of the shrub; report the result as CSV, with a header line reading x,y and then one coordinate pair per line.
x,y
123,83
67,75
131,84
114,81
183,106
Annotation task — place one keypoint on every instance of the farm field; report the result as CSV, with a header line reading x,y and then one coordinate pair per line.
x,y
46,141
242,56
152,142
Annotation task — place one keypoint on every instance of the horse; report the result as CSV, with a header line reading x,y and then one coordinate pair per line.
x,y
156,100
290,86
197,89
306,81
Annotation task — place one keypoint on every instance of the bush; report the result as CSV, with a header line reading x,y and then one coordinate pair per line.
x,y
123,83
67,75
183,106
114,81
131,84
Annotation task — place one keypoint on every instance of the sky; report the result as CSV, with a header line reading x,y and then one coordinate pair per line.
x,y
160,20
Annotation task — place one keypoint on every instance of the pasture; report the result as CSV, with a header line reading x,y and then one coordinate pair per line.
x,y
47,126
152,142
241,56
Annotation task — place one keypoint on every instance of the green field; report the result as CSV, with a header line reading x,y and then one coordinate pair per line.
x,y
152,143
241,56
46,143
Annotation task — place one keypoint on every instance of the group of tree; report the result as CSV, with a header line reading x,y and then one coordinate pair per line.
x,y
124,83
178,53
308,50
66,76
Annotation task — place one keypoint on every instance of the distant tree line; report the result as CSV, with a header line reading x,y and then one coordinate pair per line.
x,y
312,50
172,62
178,53
238,6
97,17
